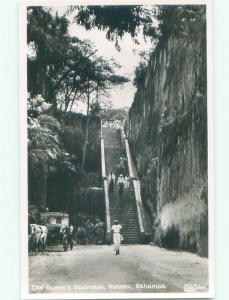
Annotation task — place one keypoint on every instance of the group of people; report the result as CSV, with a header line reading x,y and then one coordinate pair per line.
x,y
123,183
113,124
37,237
90,233
66,234
122,180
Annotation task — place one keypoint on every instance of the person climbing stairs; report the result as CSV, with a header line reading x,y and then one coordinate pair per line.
x,y
122,207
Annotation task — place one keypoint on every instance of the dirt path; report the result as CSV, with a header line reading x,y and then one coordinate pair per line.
x,y
139,268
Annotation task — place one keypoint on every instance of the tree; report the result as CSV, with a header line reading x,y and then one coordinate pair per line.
x,y
100,75
45,149
43,146
66,69
117,20
173,19
61,66
155,21
48,35
113,114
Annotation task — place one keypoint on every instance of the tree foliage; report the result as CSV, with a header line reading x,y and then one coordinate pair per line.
x,y
61,71
113,114
45,149
116,20
64,69
155,21
173,21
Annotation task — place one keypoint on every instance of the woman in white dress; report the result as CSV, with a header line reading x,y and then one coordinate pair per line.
x,y
117,237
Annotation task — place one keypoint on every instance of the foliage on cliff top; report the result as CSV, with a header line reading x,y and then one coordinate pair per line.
x,y
155,21
173,21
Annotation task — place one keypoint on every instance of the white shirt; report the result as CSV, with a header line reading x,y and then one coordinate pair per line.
x,y
120,180
44,229
116,228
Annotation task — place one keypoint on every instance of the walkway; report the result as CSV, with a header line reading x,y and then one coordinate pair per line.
x,y
121,208
139,268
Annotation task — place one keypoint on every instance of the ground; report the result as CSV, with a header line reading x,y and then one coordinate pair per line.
x,y
139,268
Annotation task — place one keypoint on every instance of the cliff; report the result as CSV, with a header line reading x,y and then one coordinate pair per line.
x,y
167,131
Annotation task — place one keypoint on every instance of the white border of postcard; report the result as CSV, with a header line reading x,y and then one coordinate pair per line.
x,y
23,153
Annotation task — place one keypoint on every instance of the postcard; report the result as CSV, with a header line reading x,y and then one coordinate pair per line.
x,y
116,149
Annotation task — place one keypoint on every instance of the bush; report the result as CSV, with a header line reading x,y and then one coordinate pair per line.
x,y
171,238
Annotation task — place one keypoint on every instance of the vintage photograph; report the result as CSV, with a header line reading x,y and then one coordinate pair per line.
x,y
116,198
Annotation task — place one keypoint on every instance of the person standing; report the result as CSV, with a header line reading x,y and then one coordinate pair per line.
x,y
71,228
117,237
122,164
120,183
111,179
43,237
71,232
126,185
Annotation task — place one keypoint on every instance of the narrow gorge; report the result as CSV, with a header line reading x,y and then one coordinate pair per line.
x,y
167,132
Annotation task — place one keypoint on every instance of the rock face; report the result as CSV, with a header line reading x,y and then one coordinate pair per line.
x,y
167,131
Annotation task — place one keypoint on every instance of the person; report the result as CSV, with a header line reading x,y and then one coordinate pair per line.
x,y
111,179
71,228
43,236
35,237
99,231
120,183
81,235
89,230
63,229
122,163
117,237
126,184
71,231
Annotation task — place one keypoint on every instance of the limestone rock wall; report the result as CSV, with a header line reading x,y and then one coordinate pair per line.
x,y
167,131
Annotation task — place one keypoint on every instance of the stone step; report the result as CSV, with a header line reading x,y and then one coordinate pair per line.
x,y
130,235
123,209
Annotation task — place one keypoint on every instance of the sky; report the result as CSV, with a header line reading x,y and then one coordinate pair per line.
x,y
128,57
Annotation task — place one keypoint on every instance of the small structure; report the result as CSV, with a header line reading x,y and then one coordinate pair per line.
x,y
55,218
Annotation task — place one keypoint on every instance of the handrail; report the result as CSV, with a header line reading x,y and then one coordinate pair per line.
x,y
103,158
137,184
131,172
138,204
105,186
107,206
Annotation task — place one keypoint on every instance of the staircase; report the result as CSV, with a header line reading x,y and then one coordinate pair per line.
x,y
121,208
